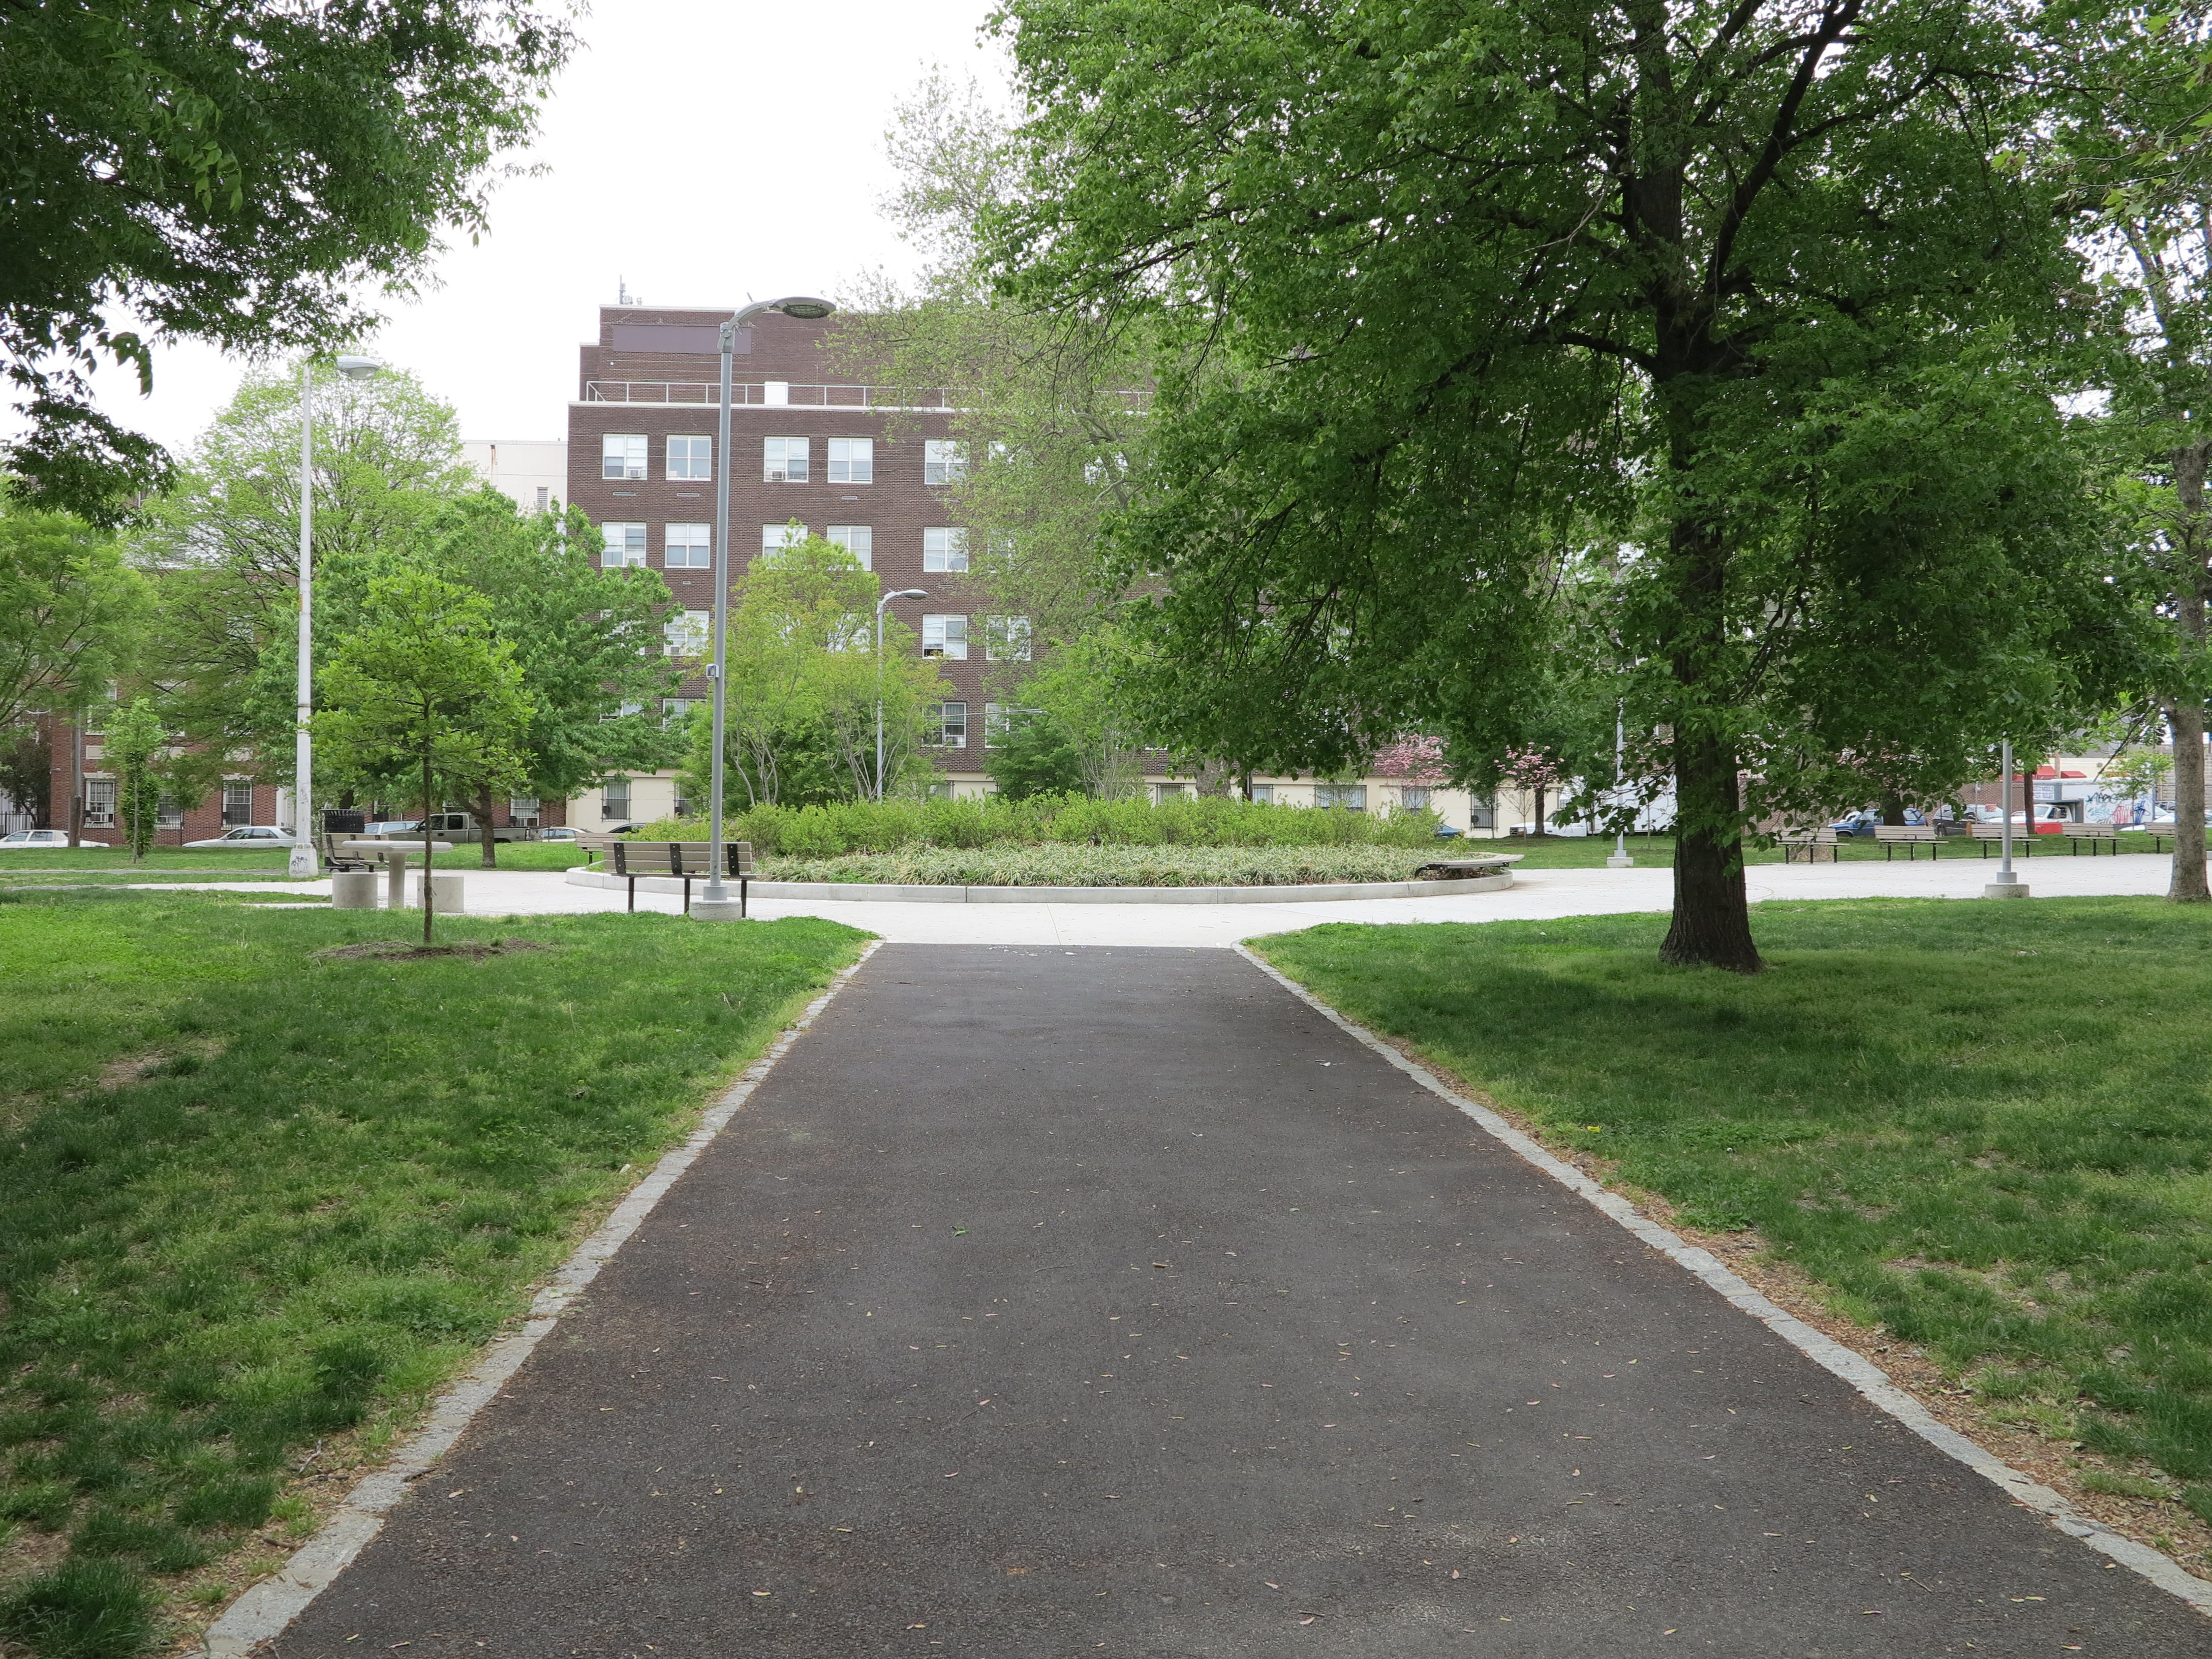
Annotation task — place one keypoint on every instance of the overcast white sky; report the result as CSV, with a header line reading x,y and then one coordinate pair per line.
x,y
696,150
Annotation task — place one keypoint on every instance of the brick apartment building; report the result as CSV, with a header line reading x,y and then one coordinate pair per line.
x,y
812,450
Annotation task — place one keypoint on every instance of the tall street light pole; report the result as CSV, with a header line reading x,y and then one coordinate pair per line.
x,y
2007,885
903,593
715,903
303,861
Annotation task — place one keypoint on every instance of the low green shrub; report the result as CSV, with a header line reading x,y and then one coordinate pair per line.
x,y
1016,866
819,832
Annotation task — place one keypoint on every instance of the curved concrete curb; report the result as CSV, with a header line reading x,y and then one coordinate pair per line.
x,y
855,892
260,1615
1873,1383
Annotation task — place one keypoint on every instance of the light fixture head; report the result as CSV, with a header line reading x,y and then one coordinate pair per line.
x,y
358,368
803,307
911,593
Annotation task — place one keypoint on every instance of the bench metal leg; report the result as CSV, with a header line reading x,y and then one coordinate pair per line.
x,y
633,896
743,882
687,895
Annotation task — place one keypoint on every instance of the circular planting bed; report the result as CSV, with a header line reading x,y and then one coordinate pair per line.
x,y
1063,874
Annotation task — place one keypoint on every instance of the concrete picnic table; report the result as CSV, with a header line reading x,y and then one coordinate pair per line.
x,y
394,853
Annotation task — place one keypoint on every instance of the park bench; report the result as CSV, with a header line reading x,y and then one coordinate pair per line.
x,y
1910,836
1807,845
2023,838
691,860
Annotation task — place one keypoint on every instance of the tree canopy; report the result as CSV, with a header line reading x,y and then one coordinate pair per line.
x,y
239,172
1753,317
71,611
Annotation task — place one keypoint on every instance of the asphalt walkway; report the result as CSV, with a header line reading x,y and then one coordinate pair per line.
x,y
1113,1302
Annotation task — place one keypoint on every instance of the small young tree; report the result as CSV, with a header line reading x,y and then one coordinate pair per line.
x,y
1035,756
424,696
588,642
136,737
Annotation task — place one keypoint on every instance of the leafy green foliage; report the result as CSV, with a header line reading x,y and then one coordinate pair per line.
x,y
70,611
238,175
1187,821
804,683
135,737
1054,864
1747,317
207,1266
1979,1127
424,697
223,545
587,641
1035,756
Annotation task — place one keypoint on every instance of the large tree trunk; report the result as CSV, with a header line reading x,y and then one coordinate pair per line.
x,y
483,822
1892,807
2186,714
1712,926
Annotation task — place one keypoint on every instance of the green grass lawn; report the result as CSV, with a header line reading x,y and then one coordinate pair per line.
x,y
258,1198
1657,852
1987,1127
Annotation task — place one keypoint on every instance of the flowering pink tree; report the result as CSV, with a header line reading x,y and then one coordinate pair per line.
x,y
1533,769
1416,760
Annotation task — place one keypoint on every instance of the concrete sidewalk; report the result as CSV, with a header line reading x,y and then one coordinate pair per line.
x,y
1536,894
1114,1302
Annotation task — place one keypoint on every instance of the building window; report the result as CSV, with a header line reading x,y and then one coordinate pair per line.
x,y
688,546
858,539
774,538
544,497
522,810
625,545
614,800
783,460
688,632
996,725
1351,797
1264,791
1005,639
949,729
621,455
237,801
943,549
1413,798
691,457
100,803
945,636
851,460
675,711
168,814
943,461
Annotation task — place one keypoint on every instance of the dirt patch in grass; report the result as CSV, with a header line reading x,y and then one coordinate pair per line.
x,y
392,951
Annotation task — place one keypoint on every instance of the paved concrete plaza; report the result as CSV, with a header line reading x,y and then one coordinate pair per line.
x,y
1536,894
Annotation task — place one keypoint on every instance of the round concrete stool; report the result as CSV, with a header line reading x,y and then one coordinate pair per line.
x,y
354,890
445,894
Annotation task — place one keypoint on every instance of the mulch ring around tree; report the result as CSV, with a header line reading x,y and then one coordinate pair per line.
x,y
393,948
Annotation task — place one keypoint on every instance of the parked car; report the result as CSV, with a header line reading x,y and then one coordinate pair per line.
x,y
557,833
22,838
246,835
1853,825
1446,832
387,828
